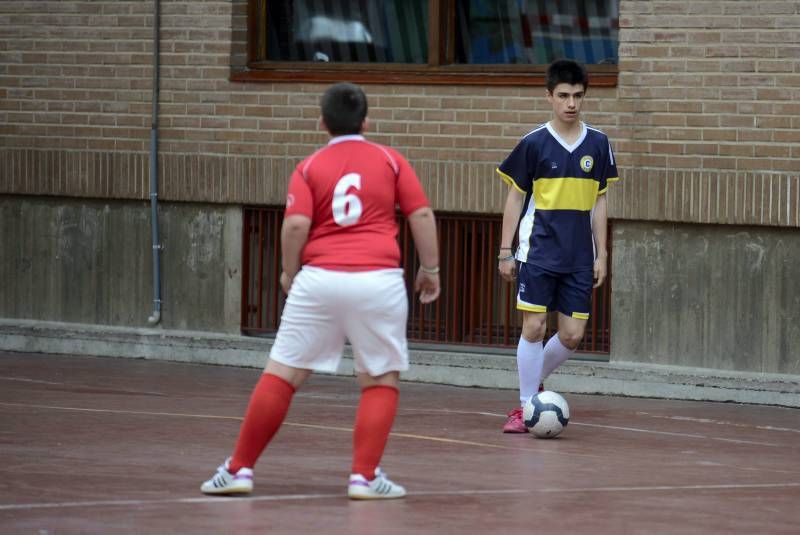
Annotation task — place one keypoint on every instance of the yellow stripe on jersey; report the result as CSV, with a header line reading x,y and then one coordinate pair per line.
x,y
508,180
565,193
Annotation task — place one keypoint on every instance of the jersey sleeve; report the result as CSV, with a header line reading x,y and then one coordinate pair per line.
x,y
409,193
609,171
516,168
299,200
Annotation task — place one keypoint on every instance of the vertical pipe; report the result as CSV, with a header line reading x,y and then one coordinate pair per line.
x,y
155,318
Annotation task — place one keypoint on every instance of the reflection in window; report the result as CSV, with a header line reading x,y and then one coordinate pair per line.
x,y
391,31
537,31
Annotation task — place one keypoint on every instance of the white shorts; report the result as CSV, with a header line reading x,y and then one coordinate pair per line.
x,y
369,308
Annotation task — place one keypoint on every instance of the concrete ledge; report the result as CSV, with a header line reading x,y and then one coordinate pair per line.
x,y
427,365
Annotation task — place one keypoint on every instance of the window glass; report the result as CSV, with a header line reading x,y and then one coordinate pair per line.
x,y
536,31
390,31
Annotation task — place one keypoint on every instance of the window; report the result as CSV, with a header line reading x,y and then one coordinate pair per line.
x,y
487,42
392,31
536,32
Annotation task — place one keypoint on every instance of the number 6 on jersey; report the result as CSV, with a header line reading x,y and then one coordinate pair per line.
x,y
346,206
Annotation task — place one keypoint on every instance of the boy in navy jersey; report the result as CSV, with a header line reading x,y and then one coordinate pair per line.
x,y
340,260
558,175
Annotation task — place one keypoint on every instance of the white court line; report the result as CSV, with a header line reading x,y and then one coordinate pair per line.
x,y
310,426
682,435
210,416
35,381
468,492
711,421
618,428
76,386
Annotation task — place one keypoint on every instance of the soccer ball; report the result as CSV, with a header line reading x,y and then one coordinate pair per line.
x,y
546,414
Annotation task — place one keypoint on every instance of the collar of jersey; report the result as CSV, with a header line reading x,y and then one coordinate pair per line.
x,y
349,137
563,143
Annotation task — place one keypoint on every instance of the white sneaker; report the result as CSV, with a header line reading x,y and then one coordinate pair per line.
x,y
380,488
223,482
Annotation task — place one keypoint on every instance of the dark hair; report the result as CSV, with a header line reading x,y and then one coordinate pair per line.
x,y
344,107
566,71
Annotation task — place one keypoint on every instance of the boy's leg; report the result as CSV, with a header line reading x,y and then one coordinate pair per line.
x,y
529,367
266,411
374,418
557,351
530,354
535,288
574,302
310,338
376,329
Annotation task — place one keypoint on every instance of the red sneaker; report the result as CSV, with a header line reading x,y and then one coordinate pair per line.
x,y
514,423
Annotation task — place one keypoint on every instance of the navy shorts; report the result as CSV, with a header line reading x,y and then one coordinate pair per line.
x,y
542,290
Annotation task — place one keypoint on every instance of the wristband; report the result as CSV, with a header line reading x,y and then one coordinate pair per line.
x,y
430,271
505,248
505,258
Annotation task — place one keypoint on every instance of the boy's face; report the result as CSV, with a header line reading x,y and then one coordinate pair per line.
x,y
566,100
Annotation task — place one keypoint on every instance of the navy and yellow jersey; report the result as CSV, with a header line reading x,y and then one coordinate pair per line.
x,y
561,183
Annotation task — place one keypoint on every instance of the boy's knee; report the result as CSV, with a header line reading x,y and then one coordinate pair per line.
x,y
570,340
533,328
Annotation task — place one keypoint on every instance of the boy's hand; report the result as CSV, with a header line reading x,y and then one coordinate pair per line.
x,y
428,286
507,269
286,282
600,270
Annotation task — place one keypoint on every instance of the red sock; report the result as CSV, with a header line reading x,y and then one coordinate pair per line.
x,y
374,420
268,406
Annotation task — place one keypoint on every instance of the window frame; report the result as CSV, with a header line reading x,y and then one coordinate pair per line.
x,y
440,69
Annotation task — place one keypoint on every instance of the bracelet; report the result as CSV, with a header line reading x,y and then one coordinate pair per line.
x,y
505,248
430,271
505,258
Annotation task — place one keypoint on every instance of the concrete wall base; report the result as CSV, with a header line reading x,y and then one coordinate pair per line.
x,y
428,365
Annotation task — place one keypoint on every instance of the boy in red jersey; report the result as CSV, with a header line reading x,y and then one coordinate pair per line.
x,y
340,272
558,175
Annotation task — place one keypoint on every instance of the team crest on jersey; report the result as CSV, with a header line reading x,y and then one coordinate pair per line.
x,y
587,162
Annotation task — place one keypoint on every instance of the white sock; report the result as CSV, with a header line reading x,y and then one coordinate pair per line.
x,y
554,355
529,367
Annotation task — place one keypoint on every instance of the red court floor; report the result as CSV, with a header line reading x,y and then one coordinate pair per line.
x,y
102,445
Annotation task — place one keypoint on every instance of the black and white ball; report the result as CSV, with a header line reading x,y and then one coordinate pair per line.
x,y
546,414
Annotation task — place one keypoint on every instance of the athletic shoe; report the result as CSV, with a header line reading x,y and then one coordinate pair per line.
x,y
514,423
380,488
223,482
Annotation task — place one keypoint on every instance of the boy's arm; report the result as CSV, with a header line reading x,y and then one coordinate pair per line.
x,y
423,228
294,235
511,213
600,233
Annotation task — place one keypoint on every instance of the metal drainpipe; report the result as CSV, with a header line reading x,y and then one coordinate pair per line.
x,y
155,318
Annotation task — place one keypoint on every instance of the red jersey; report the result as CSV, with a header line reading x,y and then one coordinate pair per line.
x,y
350,189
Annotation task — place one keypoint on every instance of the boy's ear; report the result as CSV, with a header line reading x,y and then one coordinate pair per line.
x,y
321,124
365,124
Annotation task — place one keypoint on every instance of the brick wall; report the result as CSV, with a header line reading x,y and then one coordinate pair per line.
x,y
704,120
711,127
